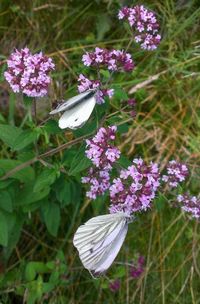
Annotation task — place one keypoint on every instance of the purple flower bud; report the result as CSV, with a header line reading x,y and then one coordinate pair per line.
x,y
132,102
115,285
141,260
137,270
133,114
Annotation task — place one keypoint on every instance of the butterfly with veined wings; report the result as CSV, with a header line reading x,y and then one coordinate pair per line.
x,y
77,110
99,240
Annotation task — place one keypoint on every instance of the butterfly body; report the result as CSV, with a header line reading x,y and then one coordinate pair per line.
x,y
99,240
77,110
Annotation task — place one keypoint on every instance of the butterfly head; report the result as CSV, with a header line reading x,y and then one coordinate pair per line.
x,y
130,219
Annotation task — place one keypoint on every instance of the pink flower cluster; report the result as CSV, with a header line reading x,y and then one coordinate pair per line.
x,y
176,173
29,73
137,270
86,84
99,181
144,25
102,154
114,60
190,204
135,189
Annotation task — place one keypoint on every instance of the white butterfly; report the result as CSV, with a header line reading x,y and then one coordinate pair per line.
x,y
99,240
77,110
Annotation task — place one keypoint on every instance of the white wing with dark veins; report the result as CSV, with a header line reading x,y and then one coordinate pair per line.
x,y
99,240
72,102
78,115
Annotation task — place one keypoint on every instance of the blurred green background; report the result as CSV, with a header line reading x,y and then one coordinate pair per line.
x,y
43,204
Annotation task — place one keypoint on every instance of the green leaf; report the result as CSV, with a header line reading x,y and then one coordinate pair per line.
x,y
11,115
30,272
48,287
120,272
102,25
32,293
14,233
80,162
68,155
26,155
63,191
51,127
6,201
160,202
105,73
52,217
33,268
50,265
120,94
123,128
24,175
8,134
124,161
67,191
24,139
46,178
75,192
26,195
2,119
3,230
61,256
39,287
55,277
5,183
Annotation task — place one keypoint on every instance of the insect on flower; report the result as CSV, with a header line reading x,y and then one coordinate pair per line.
x,y
77,110
100,239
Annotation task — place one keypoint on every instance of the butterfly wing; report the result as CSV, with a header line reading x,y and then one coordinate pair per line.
x,y
78,115
111,252
72,102
99,240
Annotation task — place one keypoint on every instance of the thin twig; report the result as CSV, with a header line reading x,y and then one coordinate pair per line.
x,y
48,153
35,119
146,82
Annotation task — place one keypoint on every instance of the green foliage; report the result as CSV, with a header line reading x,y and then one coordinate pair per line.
x,y
44,180
24,175
6,201
8,134
3,230
52,217
79,162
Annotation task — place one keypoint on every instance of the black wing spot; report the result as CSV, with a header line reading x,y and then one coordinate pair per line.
x,y
76,119
91,250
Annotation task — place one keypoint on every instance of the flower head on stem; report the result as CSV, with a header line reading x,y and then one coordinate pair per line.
x,y
29,73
